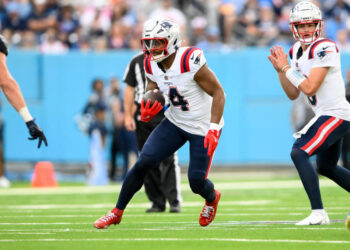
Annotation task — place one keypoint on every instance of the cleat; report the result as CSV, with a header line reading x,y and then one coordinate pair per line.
x,y
209,210
317,217
113,217
347,221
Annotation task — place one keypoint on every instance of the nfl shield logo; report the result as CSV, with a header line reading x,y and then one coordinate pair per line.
x,y
166,77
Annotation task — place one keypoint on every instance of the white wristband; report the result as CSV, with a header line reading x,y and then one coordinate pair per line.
x,y
214,126
24,113
295,77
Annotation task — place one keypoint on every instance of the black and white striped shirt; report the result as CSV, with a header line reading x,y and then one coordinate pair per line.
x,y
134,76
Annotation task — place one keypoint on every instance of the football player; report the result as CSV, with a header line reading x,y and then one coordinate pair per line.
x,y
195,115
315,71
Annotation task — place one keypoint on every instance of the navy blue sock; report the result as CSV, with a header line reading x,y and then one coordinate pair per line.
x,y
308,176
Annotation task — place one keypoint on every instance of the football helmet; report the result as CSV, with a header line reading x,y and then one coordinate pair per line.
x,y
305,12
160,39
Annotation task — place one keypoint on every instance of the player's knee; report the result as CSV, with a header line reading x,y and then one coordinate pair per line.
x,y
297,154
145,162
196,185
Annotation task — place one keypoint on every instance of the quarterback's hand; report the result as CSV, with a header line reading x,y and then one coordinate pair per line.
x,y
211,140
36,133
147,112
278,58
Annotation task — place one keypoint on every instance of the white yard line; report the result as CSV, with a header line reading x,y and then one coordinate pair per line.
x,y
189,239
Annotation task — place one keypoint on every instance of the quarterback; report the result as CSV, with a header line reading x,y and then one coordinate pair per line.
x,y
316,72
195,115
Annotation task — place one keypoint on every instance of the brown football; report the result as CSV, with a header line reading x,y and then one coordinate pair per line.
x,y
154,95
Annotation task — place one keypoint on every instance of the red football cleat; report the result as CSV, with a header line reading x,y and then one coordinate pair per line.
x,y
209,210
113,217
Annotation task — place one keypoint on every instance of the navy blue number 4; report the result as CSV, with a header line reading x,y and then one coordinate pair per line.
x,y
178,100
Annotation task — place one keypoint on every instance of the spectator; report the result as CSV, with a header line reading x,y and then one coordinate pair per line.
x,y
342,41
41,19
167,11
50,44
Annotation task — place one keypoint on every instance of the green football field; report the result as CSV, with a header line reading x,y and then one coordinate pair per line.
x,y
255,212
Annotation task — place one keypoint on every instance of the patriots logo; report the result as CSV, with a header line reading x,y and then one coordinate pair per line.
x,y
166,25
323,52
198,59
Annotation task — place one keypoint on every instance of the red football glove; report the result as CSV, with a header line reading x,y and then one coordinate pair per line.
x,y
211,140
147,112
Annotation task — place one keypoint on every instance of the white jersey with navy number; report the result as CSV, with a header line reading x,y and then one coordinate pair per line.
x,y
190,105
330,97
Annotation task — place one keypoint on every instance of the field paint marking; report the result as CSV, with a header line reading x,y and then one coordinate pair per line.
x,y
190,239
287,184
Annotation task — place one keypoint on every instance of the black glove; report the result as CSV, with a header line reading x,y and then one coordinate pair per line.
x,y
36,132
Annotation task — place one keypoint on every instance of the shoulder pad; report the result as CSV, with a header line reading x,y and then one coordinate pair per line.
x,y
322,45
3,45
192,54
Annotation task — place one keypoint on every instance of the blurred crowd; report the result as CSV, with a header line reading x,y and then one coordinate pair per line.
x,y
56,26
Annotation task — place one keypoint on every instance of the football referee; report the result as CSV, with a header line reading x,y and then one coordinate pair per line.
x,y
163,181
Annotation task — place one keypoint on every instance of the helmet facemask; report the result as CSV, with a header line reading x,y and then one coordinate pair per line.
x,y
160,39
155,47
306,37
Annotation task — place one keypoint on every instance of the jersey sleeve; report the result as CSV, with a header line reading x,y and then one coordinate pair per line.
x,y
197,60
325,54
129,74
3,45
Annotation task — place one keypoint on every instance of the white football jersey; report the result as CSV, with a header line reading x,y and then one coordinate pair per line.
x,y
330,97
190,105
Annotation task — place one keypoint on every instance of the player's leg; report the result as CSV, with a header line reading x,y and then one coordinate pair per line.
x,y
198,171
327,166
323,133
152,180
170,182
158,146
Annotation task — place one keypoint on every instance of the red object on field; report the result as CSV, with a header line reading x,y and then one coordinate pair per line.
x,y
44,175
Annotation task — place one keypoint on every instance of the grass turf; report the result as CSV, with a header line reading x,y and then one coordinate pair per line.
x,y
255,212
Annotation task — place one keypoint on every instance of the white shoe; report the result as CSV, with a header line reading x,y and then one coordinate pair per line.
x,y
317,217
4,182
347,221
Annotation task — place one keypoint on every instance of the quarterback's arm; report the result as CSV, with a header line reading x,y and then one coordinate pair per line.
x,y
129,122
291,91
311,84
151,85
207,80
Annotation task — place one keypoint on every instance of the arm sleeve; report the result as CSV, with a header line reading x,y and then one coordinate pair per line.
x,y
3,45
326,55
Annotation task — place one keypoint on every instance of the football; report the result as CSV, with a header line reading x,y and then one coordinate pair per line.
x,y
154,95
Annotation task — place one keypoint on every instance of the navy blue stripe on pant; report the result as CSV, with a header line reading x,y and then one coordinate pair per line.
x,y
166,139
